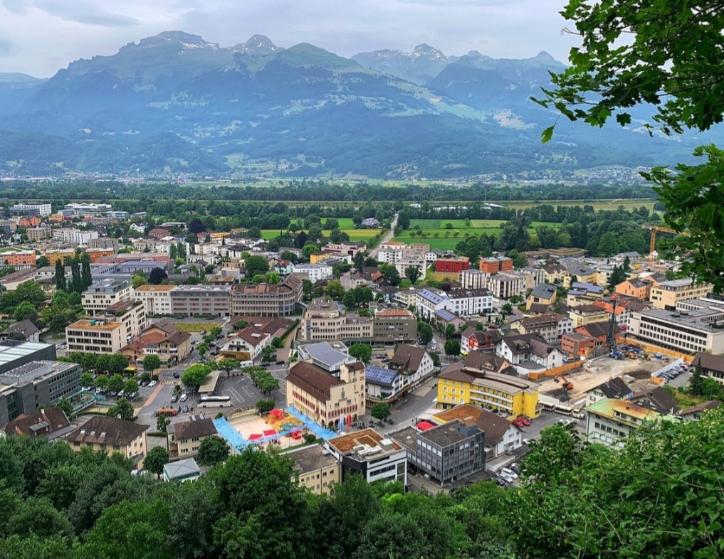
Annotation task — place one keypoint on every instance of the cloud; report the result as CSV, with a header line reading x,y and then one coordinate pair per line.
x,y
6,47
79,11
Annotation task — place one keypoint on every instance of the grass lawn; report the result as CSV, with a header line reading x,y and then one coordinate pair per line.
x,y
196,326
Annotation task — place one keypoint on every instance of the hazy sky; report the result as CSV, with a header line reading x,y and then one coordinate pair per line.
x,y
40,36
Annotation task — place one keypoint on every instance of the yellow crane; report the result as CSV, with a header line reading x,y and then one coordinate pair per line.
x,y
653,229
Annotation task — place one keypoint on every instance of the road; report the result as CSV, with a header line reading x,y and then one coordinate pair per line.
x,y
387,236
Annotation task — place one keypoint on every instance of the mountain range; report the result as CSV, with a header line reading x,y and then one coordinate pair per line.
x,y
177,104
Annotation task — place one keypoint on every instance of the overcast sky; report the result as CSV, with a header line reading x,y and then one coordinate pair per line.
x,y
40,36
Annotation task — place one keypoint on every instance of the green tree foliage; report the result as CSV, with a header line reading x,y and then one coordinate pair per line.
x,y
59,278
212,451
255,264
262,379
412,273
195,376
155,460
264,406
617,276
452,347
361,351
122,409
25,311
228,365
151,363
424,332
381,411
390,273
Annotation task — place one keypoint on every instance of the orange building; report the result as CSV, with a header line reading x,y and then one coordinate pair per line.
x,y
494,265
54,255
19,260
637,288
96,254
29,221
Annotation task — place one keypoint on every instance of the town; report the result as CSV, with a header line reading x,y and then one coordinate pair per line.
x,y
365,351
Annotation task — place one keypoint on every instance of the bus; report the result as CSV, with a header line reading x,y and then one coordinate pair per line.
x,y
214,401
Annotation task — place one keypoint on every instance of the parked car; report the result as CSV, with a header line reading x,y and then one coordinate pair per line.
x,y
152,384
174,398
508,473
176,374
183,397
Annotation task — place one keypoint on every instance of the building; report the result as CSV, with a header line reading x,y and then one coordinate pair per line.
x,y
315,272
162,339
382,384
430,301
495,264
14,353
42,210
549,326
247,344
38,233
181,470
110,435
328,400
267,299
184,437
470,302
452,265
635,287
315,469
36,384
609,421
473,279
329,356
529,351
505,285
586,314
473,339
403,256
446,453
614,388
711,366
201,300
667,294
46,423
494,391
694,328
156,299
18,259
394,326
369,454
104,293
131,314
545,294
413,363
24,331
73,236
96,336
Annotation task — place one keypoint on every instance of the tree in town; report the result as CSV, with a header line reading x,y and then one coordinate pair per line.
x,y
412,273
264,406
86,276
59,278
335,290
203,349
228,365
424,332
212,450
101,382
117,363
122,409
195,376
162,423
86,379
381,411
25,311
196,226
359,260
390,273
65,405
452,347
254,265
263,380
130,386
157,276
362,352
151,363
76,280
348,300
403,220
155,460
450,331
617,276
115,383
666,55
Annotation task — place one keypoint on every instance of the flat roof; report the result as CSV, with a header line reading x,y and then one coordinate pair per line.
x,y
86,324
34,370
11,352
608,406
368,437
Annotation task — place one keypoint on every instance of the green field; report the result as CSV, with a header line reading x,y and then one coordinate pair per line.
x,y
345,224
439,236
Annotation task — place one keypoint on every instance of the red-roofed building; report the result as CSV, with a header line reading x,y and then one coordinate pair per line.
x,y
452,265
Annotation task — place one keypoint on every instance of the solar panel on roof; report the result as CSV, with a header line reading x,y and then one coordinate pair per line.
x,y
380,375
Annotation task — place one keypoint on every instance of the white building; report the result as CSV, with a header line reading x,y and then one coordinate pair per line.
x,y
403,256
522,349
610,421
474,279
368,454
430,301
43,210
104,293
156,299
74,236
470,302
506,284
315,272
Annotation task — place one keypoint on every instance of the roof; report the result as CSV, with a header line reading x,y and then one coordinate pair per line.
x,y
151,287
194,428
595,329
505,383
94,324
311,458
346,444
35,370
106,430
41,422
313,380
325,353
538,308
490,423
450,433
181,469
25,327
408,357
380,375
482,360
543,291
709,361
614,408
614,388
446,316
657,399
699,408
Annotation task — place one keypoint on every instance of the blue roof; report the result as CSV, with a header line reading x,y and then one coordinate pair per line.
x,y
445,315
588,286
431,296
380,375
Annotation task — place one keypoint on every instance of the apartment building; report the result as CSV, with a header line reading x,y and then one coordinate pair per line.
x,y
267,299
42,210
315,272
587,314
473,339
695,326
495,264
609,421
710,365
35,384
96,336
394,326
474,279
104,293
470,302
156,299
328,400
497,392
446,453
18,259
412,363
635,287
403,256
667,294
315,469
73,236
550,326
162,339
131,314
39,233
201,300
370,455
450,265
110,435
505,285
185,437
529,352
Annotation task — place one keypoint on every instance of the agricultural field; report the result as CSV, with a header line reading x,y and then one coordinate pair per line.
x,y
345,224
444,234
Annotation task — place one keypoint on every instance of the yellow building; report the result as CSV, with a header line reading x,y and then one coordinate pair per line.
x,y
110,435
184,437
321,257
667,294
494,391
315,469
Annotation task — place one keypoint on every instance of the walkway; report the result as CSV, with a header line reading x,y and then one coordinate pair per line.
x,y
316,429
230,435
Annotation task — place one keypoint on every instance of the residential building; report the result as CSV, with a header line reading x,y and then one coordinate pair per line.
x,y
498,392
39,233
505,285
413,363
329,356
162,339
452,265
393,326
328,400
586,314
610,421
711,366
577,345
111,435
473,279
247,344
635,287
156,299
34,385
43,210
267,299
24,331
369,454
430,301
201,300
314,272
185,437
18,259
614,389
470,302
104,293
403,256
446,453
181,470
526,349
46,423
129,313
382,384
550,326
473,339
73,236
315,469
695,327
667,294
110,243
545,294
96,335
495,264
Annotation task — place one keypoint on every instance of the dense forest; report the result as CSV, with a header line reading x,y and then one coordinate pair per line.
x,y
660,496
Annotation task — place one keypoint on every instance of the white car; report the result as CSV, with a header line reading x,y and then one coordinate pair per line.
x,y
152,384
505,473
183,397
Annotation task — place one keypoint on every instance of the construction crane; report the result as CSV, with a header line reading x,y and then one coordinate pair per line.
x,y
653,229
